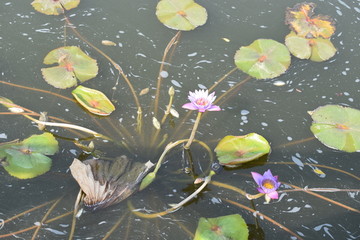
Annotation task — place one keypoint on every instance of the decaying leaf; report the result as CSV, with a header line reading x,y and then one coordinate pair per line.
x,y
144,91
107,182
300,19
156,123
108,43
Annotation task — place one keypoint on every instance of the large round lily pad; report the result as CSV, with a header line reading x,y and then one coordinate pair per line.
x,y
27,159
264,58
73,64
315,49
54,7
233,151
93,100
182,15
337,127
225,227
300,19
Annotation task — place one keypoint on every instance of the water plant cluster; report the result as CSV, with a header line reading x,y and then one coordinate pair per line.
x,y
105,182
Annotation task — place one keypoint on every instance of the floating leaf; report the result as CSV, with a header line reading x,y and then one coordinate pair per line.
x,y
264,58
54,7
301,21
226,227
27,159
93,100
315,49
233,151
73,64
182,15
337,127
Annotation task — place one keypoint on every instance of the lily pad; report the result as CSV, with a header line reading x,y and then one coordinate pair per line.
x,y
264,58
93,100
225,227
182,15
233,151
337,127
73,64
315,49
27,159
54,7
300,19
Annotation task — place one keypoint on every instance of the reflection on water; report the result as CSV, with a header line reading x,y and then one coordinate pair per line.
x,y
276,109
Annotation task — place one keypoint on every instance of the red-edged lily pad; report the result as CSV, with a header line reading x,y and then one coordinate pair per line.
x,y
54,7
93,100
264,58
73,64
315,49
225,227
300,19
182,15
337,127
27,159
232,151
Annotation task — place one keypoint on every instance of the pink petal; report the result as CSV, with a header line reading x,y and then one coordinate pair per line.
x,y
189,106
257,178
214,108
273,195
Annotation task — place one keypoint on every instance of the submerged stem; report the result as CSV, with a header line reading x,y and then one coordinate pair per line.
x,y
192,135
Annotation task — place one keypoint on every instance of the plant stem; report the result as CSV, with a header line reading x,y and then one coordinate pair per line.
x,y
192,135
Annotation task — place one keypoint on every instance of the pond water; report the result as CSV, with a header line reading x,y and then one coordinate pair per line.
x,y
201,57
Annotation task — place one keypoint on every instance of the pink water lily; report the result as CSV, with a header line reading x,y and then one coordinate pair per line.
x,y
268,184
202,101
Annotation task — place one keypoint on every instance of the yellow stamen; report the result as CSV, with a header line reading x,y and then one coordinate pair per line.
x,y
268,184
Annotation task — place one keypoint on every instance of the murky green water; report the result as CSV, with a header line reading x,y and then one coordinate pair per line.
x,y
279,113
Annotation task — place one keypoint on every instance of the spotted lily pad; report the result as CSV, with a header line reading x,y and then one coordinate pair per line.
x,y
182,15
226,227
54,7
73,64
93,100
300,19
315,49
264,58
337,127
233,151
27,159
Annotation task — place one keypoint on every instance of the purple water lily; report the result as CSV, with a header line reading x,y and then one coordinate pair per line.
x,y
202,101
268,184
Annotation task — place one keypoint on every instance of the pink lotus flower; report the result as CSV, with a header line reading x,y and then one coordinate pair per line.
x,y
268,184
201,100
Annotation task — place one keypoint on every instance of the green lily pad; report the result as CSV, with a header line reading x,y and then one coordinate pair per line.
x,y
182,15
233,151
27,159
73,64
300,19
93,100
54,7
226,227
315,49
264,58
337,127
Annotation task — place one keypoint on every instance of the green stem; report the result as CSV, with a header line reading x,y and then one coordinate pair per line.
x,y
192,135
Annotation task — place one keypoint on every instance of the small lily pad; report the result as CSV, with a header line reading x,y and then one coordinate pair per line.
x,y
300,19
315,49
54,7
27,159
337,127
233,151
264,58
93,100
225,227
73,64
182,15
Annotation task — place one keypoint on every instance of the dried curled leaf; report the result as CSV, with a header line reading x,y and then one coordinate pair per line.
x,y
300,19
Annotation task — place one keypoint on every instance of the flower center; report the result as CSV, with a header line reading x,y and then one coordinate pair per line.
x,y
268,184
201,102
